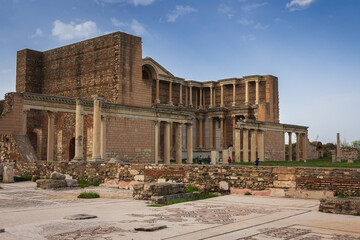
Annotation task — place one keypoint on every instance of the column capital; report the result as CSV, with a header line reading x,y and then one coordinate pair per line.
x,y
51,114
80,101
97,97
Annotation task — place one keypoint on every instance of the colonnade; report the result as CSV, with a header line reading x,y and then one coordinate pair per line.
x,y
300,149
257,145
212,94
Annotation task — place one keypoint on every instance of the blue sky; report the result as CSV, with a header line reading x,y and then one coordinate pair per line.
x,y
313,46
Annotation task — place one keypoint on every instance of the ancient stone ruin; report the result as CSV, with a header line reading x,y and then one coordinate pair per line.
x,y
57,180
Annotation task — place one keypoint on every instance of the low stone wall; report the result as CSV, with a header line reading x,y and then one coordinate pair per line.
x,y
349,206
9,151
348,153
208,177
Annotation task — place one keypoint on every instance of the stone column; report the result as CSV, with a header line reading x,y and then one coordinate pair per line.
x,y
211,131
96,155
103,138
234,94
211,97
222,96
170,93
284,148
214,98
51,137
201,128
201,98
246,93
221,132
157,100
257,91
298,141
290,146
189,145
237,144
191,104
79,131
156,141
261,150
178,143
233,131
245,145
167,143
181,99
338,149
304,144
253,146
186,96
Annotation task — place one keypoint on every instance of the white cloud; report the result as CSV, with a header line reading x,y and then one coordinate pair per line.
x,y
245,21
224,8
137,27
297,5
260,26
134,2
63,31
134,26
117,23
253,6
248,37
179,11
38,33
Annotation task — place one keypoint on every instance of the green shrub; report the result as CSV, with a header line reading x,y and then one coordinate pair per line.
x,y
191,188
248,193
83,183
88,195
22,178
1,187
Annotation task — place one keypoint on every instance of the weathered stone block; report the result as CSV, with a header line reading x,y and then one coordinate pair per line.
x,y
8,172
57,176
349,206
285,184
50,183
71,182
224,186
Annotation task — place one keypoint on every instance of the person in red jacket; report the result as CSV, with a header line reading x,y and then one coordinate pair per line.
x,y
229,161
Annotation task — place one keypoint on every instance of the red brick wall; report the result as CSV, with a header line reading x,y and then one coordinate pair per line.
x,y
29,71
274,146
11,119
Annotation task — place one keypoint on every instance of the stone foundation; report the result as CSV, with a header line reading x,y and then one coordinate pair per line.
x,y
348,206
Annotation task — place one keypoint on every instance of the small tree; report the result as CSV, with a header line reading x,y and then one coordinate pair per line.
x,y
356,144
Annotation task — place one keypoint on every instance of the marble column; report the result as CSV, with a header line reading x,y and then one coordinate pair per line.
x,y
103,138
96,155
222,132
234,94
167,143
253,146
233,131
201,98
211,97
338,149
284,148
186,96
222,96
51,137
245,145
181,94
189,145
237,144
214,104
211,131
290,146
170,93
191,103
178,143
79,131
246,93
298,141
257,91
261,150
201,128
304,150
157,100
156,141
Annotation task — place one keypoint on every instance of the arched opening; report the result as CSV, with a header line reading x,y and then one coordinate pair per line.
x,y
149,76
71,149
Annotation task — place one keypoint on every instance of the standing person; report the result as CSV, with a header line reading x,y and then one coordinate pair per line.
x,y
208,159
229,161
257,162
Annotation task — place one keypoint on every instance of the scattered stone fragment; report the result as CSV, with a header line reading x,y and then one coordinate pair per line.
x,y
2,230
57,176
80,216
150,228
71,182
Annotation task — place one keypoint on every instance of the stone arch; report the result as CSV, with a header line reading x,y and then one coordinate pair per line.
x,y
71,149
149,74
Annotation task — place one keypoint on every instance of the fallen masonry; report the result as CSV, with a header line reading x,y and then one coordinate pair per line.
x,y
161,193
80,216
348,206
57,180
150,228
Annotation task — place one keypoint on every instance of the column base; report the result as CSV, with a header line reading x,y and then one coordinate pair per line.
x,y
233,105
96,160
222,105
78,160
256,102
170,103
157,101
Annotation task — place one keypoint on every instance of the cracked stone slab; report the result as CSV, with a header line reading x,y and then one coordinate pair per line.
x,y
150,228
80,217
